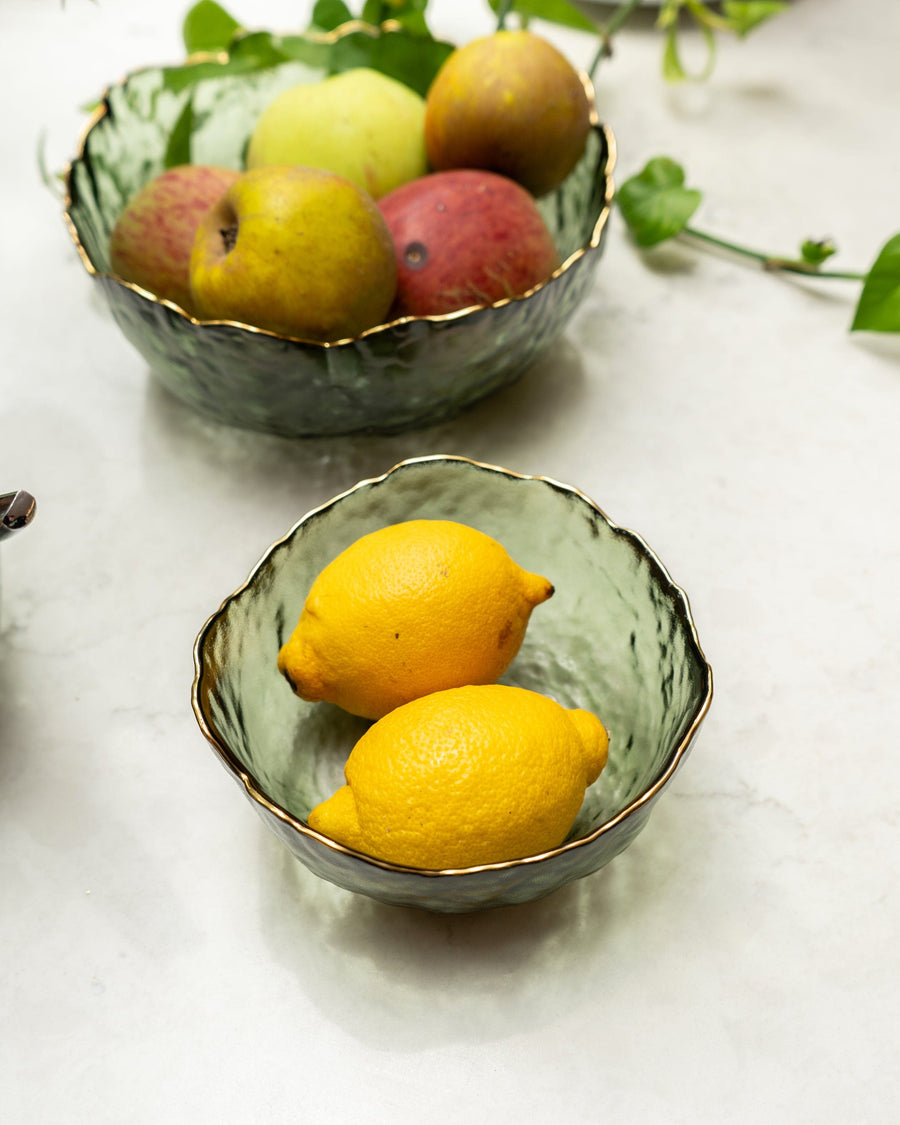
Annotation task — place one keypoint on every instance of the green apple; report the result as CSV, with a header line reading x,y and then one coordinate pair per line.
x,y
360,124
509,103
297,251
152,239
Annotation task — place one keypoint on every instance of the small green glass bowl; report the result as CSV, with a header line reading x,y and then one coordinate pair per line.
x,y
616,638
411,372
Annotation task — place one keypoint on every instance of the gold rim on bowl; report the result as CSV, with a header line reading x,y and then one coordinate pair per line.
x,y
254,789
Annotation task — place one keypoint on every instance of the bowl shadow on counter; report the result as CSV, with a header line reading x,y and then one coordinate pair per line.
x,y
542,402
405,979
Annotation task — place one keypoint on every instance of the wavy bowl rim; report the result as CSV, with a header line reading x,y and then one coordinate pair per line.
x,y
255,791
103,111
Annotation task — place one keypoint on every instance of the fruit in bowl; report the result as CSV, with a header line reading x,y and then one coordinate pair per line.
x,y
467,776
616,640
361,124
412,625
465,237
294,250
152,240
404,372
510,103
410,609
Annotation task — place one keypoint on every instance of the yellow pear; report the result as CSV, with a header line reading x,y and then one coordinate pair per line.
x,y
361,124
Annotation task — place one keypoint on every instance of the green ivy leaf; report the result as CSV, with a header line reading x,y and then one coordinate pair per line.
x,y
553,11
409,54
655,203
208,27
299,49
329,14
353,50
411,59
816,251
878,309
408,13
415,23
257,51
178,78
373,12
178,150
744,15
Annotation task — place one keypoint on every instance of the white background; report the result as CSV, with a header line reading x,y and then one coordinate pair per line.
x,y
166,960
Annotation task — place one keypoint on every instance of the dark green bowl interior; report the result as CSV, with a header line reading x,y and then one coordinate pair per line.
x,y
406,374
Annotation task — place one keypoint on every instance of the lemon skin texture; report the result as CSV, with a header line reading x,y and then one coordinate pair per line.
x,y
361,124
509,103
297,251
464,777
410,609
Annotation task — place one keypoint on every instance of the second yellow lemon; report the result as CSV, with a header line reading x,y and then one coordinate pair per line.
x,y
464,777
413,608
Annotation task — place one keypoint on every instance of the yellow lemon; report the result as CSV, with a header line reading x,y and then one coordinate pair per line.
x,y
410,609
466,776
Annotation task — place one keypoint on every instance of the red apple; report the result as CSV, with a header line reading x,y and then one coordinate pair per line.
x,y
465,238
153,237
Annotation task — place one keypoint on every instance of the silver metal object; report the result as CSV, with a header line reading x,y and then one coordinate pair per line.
x,y
16,511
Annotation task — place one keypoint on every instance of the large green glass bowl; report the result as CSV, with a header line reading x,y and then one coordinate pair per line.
x,y
617,639
411,372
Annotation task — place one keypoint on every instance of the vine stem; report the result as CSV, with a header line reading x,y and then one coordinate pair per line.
x,y
605,31
608,30
771,263
502,13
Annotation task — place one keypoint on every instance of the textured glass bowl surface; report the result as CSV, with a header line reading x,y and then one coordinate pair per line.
x,y
411,372
616,638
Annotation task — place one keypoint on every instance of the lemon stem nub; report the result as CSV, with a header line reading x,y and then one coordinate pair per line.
x,y
338,818
537,588
595,741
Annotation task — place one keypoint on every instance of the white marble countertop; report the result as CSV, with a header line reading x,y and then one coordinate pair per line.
x,y
166,960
